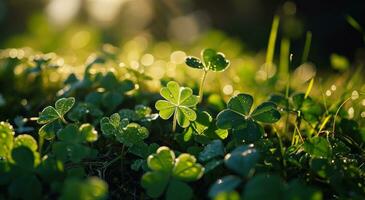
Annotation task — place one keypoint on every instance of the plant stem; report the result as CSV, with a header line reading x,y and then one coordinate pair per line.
x,y
202,85
174,122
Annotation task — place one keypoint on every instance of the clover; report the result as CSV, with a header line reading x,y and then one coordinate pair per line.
x,y
170,174
51,115
243,123
71,142
211,60
179,102
124,132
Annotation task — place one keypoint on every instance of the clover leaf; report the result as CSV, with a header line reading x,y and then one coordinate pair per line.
x,y
170,174
211,60
50,114
179,102
71,142
91,188
225,184
7,139
124,132
243,123
242,160
50,117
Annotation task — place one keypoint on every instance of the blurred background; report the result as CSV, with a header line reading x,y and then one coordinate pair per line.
x,y
75,25
147,41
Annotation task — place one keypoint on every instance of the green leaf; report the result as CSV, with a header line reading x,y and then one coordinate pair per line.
x,y
91,189
109,126
162,160
178,101
228,119
88,132
132,134
241,103
6,139
300,191
127,133
212,150
169,172
178,190
63,105
23,157
214,61
26,187
26,141
266,112
242,160
225,184
264,187
155,183
202,122
194,62
49,130
237,112
318,147
233,195
187,169
251,133
50,114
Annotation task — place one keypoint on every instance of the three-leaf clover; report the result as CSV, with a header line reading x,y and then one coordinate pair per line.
x,y
50,115
243,123
179,102
71,142
211,60
126,133
170,174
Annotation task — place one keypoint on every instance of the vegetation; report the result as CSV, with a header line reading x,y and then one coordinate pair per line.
x,y
110,135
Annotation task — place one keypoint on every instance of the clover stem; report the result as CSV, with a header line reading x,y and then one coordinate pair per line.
x,y
174,123
202,85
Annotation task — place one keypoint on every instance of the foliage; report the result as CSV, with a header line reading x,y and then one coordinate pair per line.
x,y
104,139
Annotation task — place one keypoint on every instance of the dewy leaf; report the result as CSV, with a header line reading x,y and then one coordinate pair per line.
x,y
237,112
162,160
241,103
194,62
202,122
242,160
6,139
212,150
214,61
266,112
27,141
63,105
187,169
318,147
251,133
109,126
132,134
225,184
178,101
50,114
228,119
